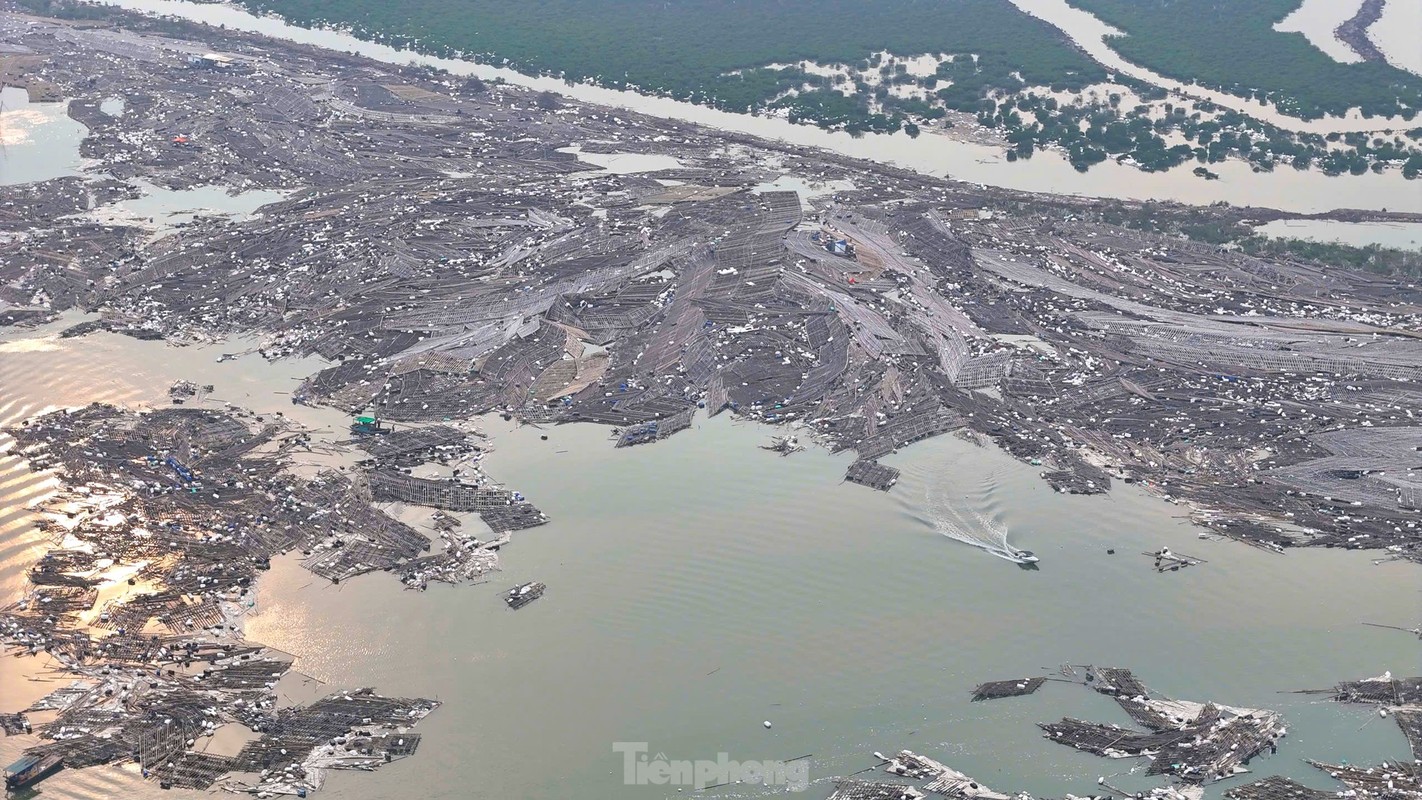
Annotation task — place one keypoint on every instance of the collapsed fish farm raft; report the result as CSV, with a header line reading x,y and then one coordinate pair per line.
x,y
188,507
441,243
449,248
1192,744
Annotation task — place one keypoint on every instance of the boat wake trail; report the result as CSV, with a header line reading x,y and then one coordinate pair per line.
x,y
963,523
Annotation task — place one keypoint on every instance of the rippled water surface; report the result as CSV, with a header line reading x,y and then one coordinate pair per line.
x,y
701,585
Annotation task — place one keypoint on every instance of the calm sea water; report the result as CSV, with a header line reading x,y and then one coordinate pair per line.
x,y
38,141
700,586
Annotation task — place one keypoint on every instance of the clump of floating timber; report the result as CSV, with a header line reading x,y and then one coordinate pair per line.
x,y
1276,787
501,509
395,452
1400,698
994,690
184,391
934,778
408,447
855,789
1384,782
1395,781
189,506
523,594
872,474
784,445
1383,690
1194,742
938,777
1168,561
655,430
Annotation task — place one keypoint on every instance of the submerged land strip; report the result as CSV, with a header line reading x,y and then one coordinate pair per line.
x,y
451,249
982,68
1354,31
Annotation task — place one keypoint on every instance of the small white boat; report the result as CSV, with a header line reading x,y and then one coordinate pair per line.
x,y
1024,556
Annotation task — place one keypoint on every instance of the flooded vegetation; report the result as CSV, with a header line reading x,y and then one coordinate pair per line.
x,y
1047,171
1235,47
1008,70
735,58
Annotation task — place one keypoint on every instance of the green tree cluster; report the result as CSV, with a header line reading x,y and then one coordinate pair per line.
x,y
718,51
1232,45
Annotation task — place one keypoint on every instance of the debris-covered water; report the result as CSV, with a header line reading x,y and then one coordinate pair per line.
x,y
702,585
705,596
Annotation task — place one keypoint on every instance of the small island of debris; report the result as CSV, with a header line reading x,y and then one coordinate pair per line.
x,y
192,505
